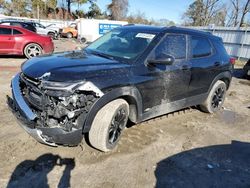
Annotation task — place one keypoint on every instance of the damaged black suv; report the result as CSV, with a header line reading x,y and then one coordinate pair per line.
x,y
131,73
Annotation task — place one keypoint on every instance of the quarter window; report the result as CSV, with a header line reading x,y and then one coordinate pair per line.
x,y
16,32
5,31
201,47
173,45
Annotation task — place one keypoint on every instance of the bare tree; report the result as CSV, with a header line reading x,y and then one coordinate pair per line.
x,y
237,12
118,9
246,9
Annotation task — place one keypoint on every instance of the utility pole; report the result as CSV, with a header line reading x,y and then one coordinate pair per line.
x,y
38,11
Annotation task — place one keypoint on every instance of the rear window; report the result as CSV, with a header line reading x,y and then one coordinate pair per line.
x,y
201,47
16,24
5,31
5,23
29,27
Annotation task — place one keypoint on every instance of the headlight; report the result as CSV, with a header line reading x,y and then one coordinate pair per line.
x,y
66,88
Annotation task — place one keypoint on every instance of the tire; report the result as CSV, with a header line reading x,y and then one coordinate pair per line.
x,y
52,35
105,132
69,35
216,98
32,50
83,40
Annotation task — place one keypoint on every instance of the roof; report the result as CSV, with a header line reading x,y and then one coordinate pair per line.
x,y
174,29
190,31
15,27
144,28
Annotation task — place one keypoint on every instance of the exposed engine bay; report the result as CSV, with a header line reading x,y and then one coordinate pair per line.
x,y
57,108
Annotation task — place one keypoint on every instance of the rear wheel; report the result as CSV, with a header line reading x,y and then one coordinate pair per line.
x,y
32,50
215,98
108,125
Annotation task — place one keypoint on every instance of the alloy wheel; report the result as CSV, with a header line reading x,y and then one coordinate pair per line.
x,y
218,98
118,123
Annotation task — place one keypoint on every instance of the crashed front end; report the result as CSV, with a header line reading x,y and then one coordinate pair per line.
x,y
52,112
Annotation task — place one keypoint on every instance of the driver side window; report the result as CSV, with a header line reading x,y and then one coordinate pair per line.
x,y
173,45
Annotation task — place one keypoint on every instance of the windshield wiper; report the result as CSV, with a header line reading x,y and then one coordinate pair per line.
x,y
102,55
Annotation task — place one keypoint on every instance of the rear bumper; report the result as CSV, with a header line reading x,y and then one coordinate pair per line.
x,y
27,120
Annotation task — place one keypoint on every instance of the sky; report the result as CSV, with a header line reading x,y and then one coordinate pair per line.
x,y
156,9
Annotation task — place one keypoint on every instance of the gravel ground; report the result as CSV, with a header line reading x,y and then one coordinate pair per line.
x,y
184,149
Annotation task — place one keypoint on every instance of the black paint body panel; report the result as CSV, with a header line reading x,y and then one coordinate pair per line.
x,y
151,90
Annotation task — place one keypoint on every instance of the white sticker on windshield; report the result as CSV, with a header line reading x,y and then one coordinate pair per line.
x,y
145,35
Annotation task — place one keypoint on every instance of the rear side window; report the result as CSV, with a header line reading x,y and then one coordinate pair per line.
x,y
16,32
5,31
201,47
172,44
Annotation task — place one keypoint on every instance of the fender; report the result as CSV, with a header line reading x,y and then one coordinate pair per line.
x,y
127,93
222,76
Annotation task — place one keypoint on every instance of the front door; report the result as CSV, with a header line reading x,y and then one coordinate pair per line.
x,y
41,29
7,42
165,83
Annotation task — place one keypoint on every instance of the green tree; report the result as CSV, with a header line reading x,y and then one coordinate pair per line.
x,y
194,15
203,12
118,9
94,11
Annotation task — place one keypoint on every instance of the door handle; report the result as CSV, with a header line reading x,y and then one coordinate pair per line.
x,y
185,67
217,64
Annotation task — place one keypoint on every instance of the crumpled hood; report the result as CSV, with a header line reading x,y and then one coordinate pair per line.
x,y
71,66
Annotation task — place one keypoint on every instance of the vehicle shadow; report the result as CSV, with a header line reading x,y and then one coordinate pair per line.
x,y
213,166
13,56
31,173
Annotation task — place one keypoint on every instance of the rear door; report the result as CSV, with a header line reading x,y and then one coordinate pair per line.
x,y
7,42
204,64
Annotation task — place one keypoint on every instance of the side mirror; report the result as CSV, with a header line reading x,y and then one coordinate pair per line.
x,y
162,59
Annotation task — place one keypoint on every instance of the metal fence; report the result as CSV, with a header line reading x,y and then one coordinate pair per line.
x,y
236,40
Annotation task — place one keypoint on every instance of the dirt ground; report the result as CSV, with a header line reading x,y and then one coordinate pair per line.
x,y
185,149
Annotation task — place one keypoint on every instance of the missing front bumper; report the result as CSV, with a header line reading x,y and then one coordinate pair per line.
x,y
27,119
48,136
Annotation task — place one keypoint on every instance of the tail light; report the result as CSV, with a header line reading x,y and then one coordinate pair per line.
x,y
232,60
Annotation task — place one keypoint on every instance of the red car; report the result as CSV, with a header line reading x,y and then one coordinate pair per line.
x,y
19,41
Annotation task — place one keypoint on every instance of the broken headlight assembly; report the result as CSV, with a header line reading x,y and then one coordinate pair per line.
x,y
64,89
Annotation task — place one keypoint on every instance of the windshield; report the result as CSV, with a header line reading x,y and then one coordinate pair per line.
x,y
40,25
122,43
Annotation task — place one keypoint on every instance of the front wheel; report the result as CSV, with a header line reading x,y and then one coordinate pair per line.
x,y
108,125
215,98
